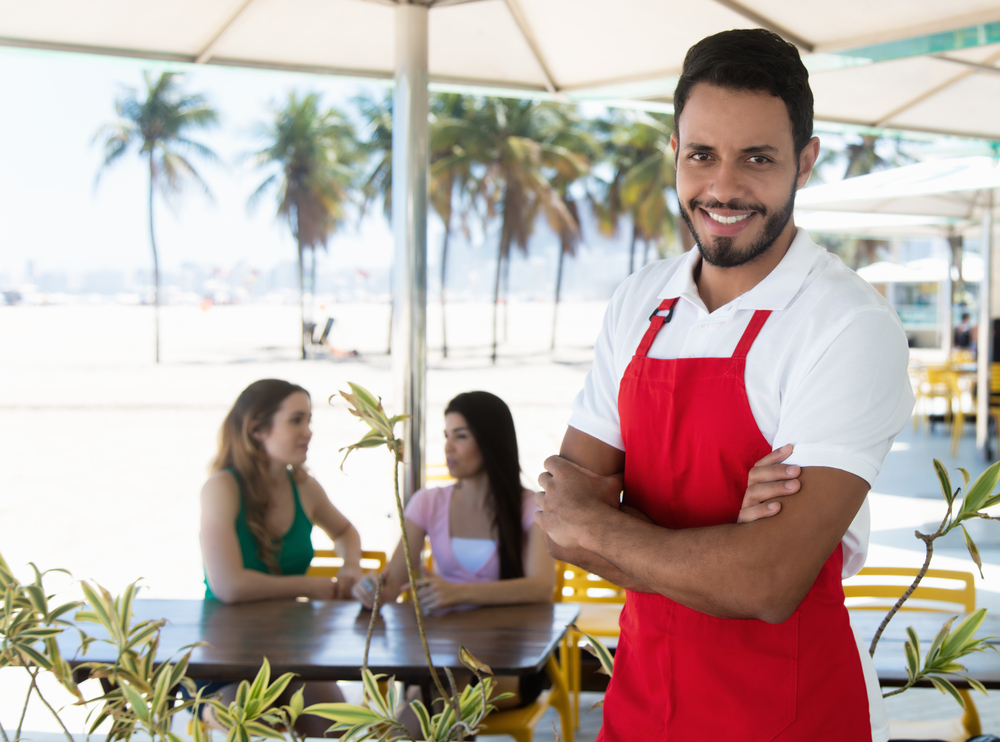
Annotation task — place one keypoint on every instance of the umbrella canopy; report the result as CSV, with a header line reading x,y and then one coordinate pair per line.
x,y
879,226
925,270
943,188
922,64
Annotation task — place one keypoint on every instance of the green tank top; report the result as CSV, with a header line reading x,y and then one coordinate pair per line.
x,y
296,550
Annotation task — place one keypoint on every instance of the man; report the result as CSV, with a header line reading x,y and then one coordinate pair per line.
x,y
757,340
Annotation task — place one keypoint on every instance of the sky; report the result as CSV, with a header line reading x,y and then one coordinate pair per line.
x,y
51,212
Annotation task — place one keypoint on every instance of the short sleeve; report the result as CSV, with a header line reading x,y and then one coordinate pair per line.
x,y
844,406
595,409
418,510
528,510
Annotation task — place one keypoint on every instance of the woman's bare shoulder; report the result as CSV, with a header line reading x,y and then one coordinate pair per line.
x,y
221,491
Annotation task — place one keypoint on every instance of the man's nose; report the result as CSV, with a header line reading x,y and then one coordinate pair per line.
x,y
728,184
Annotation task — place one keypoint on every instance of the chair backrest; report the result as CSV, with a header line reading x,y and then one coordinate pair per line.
x,y
575,585
878,588
327,563
994,383
942,378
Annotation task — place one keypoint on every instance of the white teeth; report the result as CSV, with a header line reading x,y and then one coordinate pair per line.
x,y
728,219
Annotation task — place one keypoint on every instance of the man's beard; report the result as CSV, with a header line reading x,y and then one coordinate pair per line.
x,y
720,251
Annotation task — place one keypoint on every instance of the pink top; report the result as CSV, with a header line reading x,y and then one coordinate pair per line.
x,y
429,510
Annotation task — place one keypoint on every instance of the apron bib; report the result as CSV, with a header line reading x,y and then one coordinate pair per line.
x,y
681,675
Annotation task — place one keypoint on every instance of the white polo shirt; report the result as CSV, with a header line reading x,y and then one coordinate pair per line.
x,y
827,372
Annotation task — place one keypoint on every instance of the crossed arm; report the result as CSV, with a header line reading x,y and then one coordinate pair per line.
x,y
760,569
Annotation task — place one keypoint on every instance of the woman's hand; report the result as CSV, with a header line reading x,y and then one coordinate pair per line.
x,y
347,578
769,479
321,588
364,590
436,592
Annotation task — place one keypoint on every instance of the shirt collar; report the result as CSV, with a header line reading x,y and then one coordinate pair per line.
x,y
777,289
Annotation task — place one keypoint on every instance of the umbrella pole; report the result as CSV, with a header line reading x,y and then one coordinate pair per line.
x,y
410,165
984,346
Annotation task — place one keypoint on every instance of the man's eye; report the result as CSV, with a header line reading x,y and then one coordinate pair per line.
x,y
699,156
759,159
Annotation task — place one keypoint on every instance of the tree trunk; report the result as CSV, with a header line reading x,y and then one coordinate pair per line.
x,y
392,309
631,252
555,309
506,293
302,303
444,273
502,249
312,282
156,264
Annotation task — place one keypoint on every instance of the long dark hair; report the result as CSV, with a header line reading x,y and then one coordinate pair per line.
x,y
491,424
239,451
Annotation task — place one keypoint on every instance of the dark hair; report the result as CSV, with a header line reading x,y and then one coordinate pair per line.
x,y
239,451
751,59
491,424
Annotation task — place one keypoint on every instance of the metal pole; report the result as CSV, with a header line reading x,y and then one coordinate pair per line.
x,y
984,346
410,165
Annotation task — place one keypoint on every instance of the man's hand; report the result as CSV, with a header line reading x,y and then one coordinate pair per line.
x,y
572,499
769,479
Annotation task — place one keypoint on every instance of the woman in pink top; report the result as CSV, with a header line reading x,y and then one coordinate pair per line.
x,y
487,549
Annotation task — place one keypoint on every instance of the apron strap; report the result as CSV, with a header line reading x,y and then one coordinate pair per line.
x,y
655,323
750,334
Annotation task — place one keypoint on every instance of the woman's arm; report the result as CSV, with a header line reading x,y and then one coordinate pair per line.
x,y
346,541
395,574
536,586
220,548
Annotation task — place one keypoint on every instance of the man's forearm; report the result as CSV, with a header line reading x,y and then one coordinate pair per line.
x,y
600,566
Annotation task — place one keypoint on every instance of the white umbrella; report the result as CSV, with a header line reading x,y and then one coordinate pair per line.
x,y
932,67
960,188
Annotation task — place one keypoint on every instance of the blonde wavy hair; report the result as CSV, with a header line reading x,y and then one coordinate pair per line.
x,y
240,452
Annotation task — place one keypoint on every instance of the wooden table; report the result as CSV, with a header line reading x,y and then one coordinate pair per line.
x,y
324,640
890,658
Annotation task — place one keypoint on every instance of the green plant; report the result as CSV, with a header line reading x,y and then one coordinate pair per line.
x,y
29,628
463,711
950,645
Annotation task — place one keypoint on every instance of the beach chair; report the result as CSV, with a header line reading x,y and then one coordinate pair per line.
x,y
327,562
326,331
880,588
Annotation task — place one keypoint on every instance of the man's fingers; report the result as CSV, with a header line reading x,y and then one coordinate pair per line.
x,y
759,511
776,456
554,464
758,493
773,473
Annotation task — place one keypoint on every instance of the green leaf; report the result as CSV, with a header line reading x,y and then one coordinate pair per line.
x,y
135,701
973,551
262,730
912,661
261,681
30,655
469,660
966,477
597,648
981,489
373,695
125,605
276,689
423,717
945,686
345,713
945,481
957,639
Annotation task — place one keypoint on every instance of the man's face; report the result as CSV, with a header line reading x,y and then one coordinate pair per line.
x,y
737,172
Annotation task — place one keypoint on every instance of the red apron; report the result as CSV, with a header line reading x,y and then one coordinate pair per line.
x,y
690,441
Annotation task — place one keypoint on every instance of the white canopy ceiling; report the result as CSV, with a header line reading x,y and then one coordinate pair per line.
x,y
916,64
945,188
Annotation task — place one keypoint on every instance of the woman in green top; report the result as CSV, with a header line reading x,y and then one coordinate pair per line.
x,y
257,512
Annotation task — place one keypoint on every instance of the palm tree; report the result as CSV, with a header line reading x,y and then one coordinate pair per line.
x,y
157,125
451,176
637,149
314,158
512,139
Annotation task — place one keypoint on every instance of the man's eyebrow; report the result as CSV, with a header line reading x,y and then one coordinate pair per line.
x,y
765,149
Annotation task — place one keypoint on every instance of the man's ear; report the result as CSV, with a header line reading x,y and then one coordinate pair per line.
x,y
673,146
807,160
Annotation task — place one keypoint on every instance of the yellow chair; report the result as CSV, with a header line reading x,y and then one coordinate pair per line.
x,y
880,588
327,562
520,723
995,395
602,605
940,382
437,474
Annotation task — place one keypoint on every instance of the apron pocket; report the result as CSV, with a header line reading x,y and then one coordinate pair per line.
x,y
733,677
